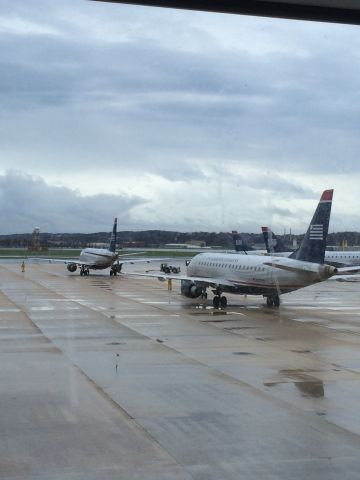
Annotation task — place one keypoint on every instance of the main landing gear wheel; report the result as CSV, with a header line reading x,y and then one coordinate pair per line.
x,y
216,301
219,301
223,302
273,301
84,271
113,272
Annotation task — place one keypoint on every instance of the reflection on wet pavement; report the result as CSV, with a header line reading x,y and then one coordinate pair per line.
x,y
157,384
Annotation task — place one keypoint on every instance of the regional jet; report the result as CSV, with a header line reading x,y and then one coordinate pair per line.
x,y
258,275
274,246
98,258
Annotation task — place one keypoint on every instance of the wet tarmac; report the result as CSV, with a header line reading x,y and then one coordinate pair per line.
x,y
117,378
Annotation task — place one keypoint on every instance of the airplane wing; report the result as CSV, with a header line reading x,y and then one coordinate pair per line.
x,y
346,278
282,264
130,254
212,281
353,268
54,260
66,261
138,260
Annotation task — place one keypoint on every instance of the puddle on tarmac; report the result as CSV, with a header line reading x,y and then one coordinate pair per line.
x,y
306,384
41,309
301,351
239,328
243,353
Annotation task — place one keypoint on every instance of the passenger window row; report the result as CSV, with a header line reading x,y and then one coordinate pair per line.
x,y
233,266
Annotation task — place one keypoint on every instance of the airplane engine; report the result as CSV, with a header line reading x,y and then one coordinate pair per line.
x,y
190,290
327,271
72,267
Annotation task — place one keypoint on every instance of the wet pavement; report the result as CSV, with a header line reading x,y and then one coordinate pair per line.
x,y
117,378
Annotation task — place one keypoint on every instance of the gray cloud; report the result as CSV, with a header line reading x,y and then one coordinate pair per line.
x,y
27,202
89,89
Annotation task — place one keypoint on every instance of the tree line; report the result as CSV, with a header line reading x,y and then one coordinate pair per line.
x,y
159,238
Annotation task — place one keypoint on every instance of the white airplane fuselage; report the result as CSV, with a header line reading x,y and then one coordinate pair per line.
x,y
97,258
343,258
252,273
335,258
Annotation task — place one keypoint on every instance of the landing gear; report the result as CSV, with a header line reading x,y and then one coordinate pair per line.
x,y
219,300
84,271
115,269
216,301
204,294
273,301
223,301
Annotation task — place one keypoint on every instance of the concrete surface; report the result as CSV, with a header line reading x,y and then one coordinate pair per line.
x,y
116,378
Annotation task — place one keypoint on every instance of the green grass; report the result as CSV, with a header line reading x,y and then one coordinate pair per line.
x,y
160,253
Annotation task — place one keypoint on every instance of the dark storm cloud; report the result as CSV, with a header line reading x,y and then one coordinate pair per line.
x,y
148,101
26,202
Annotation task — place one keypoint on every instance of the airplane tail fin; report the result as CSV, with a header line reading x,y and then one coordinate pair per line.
x,y
273,244
112,244
238,242
312,248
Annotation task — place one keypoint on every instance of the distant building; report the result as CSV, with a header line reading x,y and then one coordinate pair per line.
x,y
133,244
196,243
97,245
184,245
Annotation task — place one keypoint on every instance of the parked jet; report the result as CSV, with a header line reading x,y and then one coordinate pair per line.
x,y
239,244
274,246
258,275
99,258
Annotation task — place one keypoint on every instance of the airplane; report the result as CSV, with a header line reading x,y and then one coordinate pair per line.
x,y
258,275
97,258
241,247
275,246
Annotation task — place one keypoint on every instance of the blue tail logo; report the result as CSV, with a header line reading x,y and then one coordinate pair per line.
x,y
312,248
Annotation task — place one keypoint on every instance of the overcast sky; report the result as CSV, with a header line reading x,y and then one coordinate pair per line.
x,y
174,120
